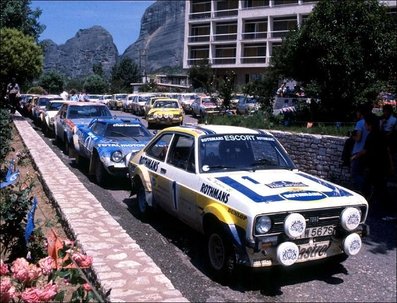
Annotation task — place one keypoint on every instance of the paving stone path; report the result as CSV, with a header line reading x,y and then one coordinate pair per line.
x,y
119,264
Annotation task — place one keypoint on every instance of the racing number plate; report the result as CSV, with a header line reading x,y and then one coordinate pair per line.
x,y
318,231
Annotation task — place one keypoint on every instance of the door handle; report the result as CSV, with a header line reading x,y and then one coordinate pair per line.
x,y
163,171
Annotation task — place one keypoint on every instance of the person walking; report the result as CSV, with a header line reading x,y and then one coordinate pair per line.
x,y
13,94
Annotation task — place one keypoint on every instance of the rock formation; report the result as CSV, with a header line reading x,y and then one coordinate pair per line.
x,y
159,45
160,42
77,56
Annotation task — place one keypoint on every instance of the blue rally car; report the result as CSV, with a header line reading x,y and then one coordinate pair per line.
x,y
107,143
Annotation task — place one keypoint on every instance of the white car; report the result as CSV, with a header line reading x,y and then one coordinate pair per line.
x,y
240,188
49,113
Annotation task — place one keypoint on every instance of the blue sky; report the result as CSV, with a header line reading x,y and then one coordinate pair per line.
x,y
63,19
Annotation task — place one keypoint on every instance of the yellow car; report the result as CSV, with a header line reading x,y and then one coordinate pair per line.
x,y
165,112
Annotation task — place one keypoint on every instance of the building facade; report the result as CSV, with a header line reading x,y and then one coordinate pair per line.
x,y
240,35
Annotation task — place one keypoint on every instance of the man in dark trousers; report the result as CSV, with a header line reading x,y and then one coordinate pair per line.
x,y
13,93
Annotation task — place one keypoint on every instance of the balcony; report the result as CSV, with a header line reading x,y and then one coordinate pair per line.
x,y
253,59
226,13
199,38
225,37
254,35
224,60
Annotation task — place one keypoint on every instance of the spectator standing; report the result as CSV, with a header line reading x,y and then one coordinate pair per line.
x,y
388,125
357,168
73,95
377,161
13,94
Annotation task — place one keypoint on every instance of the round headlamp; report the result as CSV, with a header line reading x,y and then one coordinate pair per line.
x,y
263,225
350,218
116,156
294,225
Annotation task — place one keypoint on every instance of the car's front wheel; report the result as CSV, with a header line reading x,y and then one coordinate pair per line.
x,y
101,175
143,206
221,254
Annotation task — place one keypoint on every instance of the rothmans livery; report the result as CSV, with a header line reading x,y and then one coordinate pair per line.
x,y
108,144
240,188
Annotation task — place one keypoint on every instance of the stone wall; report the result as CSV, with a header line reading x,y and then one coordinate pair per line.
x,y
316,154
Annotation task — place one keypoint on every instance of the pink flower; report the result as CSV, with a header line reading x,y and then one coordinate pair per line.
x,y
45,294
3,268
7,291
31,295
48,292
82,260
25,272
46,265
87,287
20,269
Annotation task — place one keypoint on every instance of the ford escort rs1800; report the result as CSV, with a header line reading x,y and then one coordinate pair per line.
x,y
240,188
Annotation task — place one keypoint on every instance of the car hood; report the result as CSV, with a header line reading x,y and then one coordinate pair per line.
x,y
274,190
127,144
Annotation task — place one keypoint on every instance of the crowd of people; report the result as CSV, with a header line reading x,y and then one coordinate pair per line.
x,y
373,155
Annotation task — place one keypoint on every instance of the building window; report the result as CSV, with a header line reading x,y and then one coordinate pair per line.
x,y
284,2
254,53
226,31
199,33
282,25
255,3
255,29
225,54
198,54
200,9
226,8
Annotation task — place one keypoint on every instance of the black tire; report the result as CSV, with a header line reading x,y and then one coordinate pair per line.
x,y
66,147
143,208
221,253
101,175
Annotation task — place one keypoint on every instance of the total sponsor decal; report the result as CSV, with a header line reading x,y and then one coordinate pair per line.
x,y
149,163
303,195
281,184
119,145
214,193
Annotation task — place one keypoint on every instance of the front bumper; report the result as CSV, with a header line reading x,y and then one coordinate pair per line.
x,y
263,252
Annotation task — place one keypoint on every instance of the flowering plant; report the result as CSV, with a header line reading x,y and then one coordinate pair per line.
x,y
27,282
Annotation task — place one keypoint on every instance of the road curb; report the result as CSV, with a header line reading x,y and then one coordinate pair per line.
x,y
119,264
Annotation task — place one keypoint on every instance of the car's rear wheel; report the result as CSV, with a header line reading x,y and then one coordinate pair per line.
x,y
221,254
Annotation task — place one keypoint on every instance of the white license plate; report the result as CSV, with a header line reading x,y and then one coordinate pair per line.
x,y
318,231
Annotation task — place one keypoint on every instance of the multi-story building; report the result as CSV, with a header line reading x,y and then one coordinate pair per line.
x,y
240,35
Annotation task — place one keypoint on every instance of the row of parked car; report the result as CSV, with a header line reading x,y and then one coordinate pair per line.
x,y
237,186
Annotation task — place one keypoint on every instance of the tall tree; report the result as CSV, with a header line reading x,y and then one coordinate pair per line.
x,y
124,73
202,76
20,57
346,50
95,84
18,14
52,82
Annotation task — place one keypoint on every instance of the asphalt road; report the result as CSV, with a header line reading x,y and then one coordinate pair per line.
x,y
178,251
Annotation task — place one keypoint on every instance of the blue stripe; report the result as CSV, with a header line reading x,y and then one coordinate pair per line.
x,y
234,232
248,192
174,195
250,179
335,191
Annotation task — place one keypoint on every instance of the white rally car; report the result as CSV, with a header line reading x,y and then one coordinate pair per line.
x,y
239,187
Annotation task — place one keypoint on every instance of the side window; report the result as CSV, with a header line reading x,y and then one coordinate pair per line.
x,y
159,148
181,154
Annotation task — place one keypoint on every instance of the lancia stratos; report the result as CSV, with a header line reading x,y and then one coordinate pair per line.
x,y
108,143
240,188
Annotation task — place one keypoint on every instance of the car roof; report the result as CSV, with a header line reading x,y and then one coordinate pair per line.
x,y
77,103
211,129
116,120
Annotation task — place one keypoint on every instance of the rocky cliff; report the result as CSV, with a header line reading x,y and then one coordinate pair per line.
x,y
77,56
159,45
160,42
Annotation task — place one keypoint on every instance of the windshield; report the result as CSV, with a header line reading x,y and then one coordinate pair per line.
x,y
120,97
126,130
165,104
54,105
77,112
241,152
